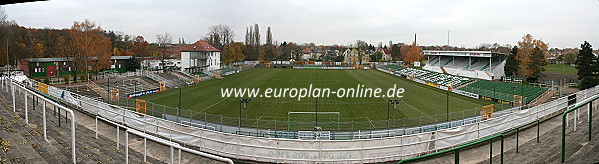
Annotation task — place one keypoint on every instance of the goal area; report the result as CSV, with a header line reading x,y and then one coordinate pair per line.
x,y
306,121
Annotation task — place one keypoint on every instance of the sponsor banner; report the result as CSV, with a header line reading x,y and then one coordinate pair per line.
x,y
494,100
417,80
443,87
473,95
416,64
431,84
42,87
137,94
337,67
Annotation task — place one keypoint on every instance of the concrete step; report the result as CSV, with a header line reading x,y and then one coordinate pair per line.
x,y
89,149
578,148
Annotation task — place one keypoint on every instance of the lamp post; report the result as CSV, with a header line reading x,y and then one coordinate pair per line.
x,y
316,126
394,102
135,87
244,102
514,95
108,91
447,100
180,93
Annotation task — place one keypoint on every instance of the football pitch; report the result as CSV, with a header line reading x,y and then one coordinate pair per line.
x,y
418,100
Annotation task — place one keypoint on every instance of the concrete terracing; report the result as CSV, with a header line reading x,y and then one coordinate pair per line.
x,y
578,148
24,143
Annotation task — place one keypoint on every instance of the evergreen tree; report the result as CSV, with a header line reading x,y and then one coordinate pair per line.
x,y
537,64
588,66
511,64
586,61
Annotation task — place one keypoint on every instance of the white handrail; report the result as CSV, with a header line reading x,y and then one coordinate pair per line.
x,y
44,99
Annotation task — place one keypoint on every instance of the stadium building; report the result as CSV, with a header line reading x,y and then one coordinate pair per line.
x,y
474,64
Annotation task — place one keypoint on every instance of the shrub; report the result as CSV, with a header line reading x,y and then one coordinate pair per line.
x,y
587,82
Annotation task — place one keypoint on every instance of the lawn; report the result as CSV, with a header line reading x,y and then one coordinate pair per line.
x,y
418,101
561,68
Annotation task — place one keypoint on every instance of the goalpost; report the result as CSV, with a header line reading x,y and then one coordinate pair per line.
x,y
302,121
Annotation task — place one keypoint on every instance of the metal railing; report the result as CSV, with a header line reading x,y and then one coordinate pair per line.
x,y
490,139
400,126
588,101
44,100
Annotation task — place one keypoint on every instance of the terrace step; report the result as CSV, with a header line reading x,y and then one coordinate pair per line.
x,y
58,147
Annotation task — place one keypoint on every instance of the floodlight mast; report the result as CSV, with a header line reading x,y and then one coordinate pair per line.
x,y
244,102
394,102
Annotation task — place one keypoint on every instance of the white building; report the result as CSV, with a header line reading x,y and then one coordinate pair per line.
x,y
200,57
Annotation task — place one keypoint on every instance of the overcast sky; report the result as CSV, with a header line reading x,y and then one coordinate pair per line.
x,y
561,23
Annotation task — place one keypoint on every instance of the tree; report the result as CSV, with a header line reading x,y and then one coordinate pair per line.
x,y
537,64
570,57
269,51
219,36
586,62
377,56
361,45
234,53
526,48
4,34
268,37
252,42
511,64
87,42
163,40
339,58
141,47
395,52
413,54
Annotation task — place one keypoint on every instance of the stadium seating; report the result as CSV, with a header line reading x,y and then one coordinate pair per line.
x,y
406,71
444,79
503,91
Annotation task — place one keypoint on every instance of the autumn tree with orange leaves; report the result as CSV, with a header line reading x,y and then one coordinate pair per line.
x,y
411,53
87,48
526,48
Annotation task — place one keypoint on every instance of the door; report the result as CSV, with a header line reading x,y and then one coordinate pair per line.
x,y
51,71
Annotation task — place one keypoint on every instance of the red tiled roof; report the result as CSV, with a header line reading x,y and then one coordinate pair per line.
x,y
386,51
306,50
199,46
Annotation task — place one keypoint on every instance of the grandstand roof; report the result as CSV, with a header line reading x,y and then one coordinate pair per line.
x,y
462,53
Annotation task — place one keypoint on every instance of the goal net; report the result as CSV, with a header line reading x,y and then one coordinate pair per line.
x,y
306,121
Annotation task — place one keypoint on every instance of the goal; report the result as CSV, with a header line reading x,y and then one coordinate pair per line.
x,y
306,121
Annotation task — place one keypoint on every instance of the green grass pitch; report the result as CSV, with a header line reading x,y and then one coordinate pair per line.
x,y
418,99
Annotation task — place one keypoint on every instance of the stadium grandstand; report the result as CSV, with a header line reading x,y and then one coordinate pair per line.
x,y
480,89
474,64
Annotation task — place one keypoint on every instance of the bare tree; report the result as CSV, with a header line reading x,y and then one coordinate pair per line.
x,y
163,40
219,36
